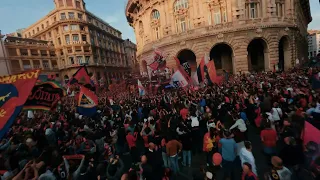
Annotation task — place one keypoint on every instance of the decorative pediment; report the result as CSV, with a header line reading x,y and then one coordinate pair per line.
x,y
155,23
183,12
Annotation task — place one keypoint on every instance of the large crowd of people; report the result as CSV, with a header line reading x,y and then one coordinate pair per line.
x,y
155,136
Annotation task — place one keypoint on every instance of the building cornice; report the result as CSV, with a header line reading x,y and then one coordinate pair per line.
x,y
189,35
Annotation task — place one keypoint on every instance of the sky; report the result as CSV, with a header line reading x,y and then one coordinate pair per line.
x,y
16,14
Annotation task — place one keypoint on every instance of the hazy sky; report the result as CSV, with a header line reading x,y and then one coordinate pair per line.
x,y
16,14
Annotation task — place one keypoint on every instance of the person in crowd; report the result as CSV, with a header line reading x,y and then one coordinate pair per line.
x,y
63,144
229,154
209,145
269,139
173,147
247,173
278,171
246,156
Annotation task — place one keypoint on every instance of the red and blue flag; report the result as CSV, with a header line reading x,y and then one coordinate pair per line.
x,y
14,91
87,102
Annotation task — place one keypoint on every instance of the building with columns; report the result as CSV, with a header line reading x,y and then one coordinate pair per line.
x,y
71,36
239,35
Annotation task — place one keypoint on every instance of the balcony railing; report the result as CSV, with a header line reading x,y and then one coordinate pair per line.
x,y
36,66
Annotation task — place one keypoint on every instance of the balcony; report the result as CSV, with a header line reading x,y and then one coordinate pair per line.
x,y
36,66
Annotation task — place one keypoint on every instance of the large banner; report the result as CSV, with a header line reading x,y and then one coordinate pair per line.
x,y
44,96
14,91
178,80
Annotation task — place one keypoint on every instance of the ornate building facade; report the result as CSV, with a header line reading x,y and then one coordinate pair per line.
x,y
81,38
240,35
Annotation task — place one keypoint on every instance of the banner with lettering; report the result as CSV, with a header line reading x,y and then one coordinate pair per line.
x,y
178,80
14,91
44,96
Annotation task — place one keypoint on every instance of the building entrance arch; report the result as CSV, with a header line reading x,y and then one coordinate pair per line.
x,y
222,55
258,55
284,54
188,60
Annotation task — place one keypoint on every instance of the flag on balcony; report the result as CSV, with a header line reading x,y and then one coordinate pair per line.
x,y
87,102
13,95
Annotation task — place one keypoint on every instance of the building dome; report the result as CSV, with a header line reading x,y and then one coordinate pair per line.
x,y
239,35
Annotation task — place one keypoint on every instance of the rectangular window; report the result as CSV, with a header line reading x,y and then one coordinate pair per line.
x,y
75,37
78,4
67,39
279,9
84,37
59,41
45,64
71,15
69,50
87,59
80,59
71,59
157,33
253,10
63,16
49,34
74,27
66,27
224,16
183,24
79,15
217,17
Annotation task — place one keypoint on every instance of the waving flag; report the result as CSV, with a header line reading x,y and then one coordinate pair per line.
x,y
87,102
14,91
201,68
142,90
44,96
178,80
159,61
182,70
82,77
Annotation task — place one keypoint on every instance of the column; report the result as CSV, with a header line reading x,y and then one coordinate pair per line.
x,y
41,64
29,52
21,64
31,63
50,64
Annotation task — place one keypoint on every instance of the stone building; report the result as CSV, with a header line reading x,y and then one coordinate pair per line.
x,y
130,50
81,38
24,54
313,43
240,35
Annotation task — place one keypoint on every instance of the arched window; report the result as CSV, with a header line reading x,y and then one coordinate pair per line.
x,y
180,4
280,8
182,22
253,9
155,14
